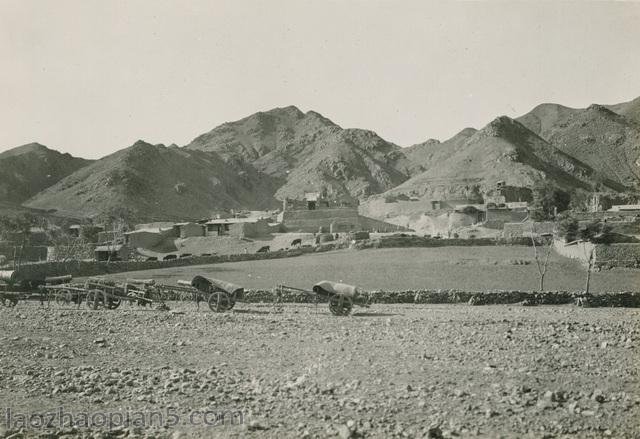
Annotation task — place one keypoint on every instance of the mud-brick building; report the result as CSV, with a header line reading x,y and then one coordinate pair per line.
x,y
316,213
189,229
117,252
238,227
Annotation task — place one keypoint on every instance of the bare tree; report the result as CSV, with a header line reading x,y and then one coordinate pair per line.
x,y
591,234
542,260
119,226
590,257
18,226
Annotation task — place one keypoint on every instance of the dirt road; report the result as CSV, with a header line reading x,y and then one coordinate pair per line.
x,y
392,371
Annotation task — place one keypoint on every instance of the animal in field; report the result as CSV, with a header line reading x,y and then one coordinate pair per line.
x,y
296,242
265,249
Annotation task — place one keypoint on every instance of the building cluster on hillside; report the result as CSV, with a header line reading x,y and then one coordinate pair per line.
x,y
503,211
315,213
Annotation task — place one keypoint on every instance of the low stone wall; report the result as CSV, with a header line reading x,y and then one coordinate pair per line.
x,y
27,253
38,271
607,299
418,241
313,220
497,218
524,229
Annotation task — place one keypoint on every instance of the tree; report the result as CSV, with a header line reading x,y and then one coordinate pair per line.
x,y
542,260
21,226
568,228
65,247
593,232
580,201
548,199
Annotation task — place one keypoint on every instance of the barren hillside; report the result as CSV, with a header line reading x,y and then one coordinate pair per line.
x,y
504,150
28,169
310,152
156,182
630,110
423,156
606,141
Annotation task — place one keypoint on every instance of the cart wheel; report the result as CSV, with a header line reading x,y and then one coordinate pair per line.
x,y
277,302
219,301
113,303
94,299
340,305
63,297
10,302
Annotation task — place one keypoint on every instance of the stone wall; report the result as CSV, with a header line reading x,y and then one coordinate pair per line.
x,y
606,299
418,241
606,256
339,220
497,218
28,253
312,220
523,229
576,250
36,272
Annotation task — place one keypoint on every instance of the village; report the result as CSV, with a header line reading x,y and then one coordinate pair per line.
x,y
312,221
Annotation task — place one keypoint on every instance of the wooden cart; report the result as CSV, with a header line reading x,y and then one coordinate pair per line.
x,y
341,297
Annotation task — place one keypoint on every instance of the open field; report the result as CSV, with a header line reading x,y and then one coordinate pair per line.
x,y
466,268
392,371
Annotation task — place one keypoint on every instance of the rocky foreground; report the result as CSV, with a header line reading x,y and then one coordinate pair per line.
x,y
388,371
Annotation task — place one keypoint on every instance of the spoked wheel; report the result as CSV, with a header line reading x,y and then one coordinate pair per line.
x,y
95,299
219,301
63,297
9,301
340,305
113,303
277,302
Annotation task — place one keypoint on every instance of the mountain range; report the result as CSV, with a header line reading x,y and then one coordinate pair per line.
x,y
254,162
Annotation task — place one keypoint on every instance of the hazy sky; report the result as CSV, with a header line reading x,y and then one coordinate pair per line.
x,y
90,77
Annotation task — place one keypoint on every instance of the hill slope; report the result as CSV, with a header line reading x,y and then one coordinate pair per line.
x,y
424,155
606,141
154,182
472,162
310,152
630,110
28,169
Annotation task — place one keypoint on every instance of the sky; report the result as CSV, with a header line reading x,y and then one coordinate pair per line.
x,y
90,77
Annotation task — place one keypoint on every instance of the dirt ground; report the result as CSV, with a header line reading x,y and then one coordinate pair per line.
x,y
388,371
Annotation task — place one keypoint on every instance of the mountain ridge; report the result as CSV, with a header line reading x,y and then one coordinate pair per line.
x,y
28,169
284,152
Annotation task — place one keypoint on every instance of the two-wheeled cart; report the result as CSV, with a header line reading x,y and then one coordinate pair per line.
x,y
341,297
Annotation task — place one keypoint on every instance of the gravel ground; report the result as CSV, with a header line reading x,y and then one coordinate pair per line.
x,y
388,371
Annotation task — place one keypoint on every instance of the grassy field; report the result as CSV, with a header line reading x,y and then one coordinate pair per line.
x,y
468,268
